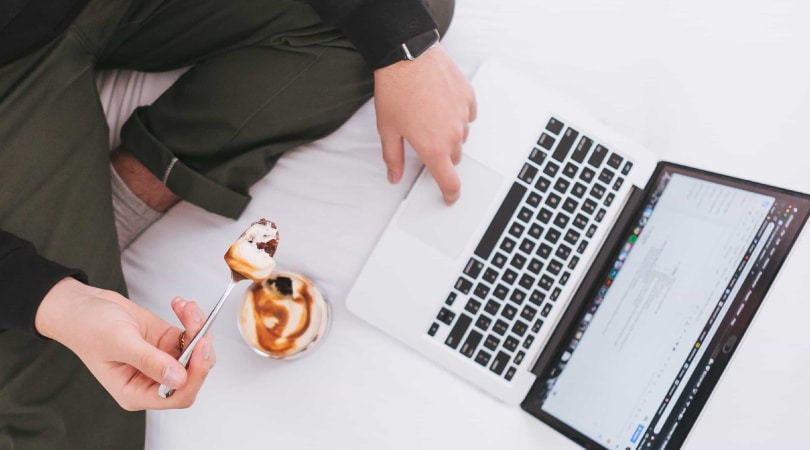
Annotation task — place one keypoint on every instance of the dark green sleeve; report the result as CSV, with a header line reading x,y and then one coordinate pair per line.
x,y
25,278
376,27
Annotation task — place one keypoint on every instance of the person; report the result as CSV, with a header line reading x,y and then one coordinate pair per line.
x,y
79,362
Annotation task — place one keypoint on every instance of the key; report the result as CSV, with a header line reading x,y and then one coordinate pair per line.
x,y
492,342
499,222
472,306
545,141
473,268
483,323
527,173
510,343
500,362
597,156
463,285
582,149
509,312
554,126
565,144
471,343
527,313
454,338
446,316
537,156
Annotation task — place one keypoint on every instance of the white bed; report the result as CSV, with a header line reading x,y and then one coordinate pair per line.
x,y
721,85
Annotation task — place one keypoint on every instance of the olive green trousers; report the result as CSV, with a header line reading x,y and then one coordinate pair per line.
x,y
266,77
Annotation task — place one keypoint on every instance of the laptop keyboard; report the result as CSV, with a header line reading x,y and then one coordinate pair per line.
x,y
508,288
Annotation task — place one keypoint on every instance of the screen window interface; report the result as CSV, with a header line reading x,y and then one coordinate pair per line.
x,y
652,342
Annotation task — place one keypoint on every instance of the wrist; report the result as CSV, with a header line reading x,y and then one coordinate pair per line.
x,y
405,70
55,306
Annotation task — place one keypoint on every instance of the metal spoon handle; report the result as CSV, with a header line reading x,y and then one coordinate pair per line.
x,y
165,391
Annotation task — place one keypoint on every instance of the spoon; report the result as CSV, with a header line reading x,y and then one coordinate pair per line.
x,y
165,391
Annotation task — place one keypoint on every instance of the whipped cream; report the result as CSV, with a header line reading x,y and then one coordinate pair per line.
x,y
252,254
283,316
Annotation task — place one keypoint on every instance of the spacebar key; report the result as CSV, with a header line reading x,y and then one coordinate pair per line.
x,y
500,221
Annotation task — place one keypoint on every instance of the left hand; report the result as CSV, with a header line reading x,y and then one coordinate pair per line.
x,y
429,103
128,349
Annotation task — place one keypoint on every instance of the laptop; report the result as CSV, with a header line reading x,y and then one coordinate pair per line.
x,y
601,290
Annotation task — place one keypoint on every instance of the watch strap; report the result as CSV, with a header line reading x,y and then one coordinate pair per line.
x,y
412,48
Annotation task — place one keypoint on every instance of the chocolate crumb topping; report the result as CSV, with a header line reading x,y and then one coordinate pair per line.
x,y
283,284
269,247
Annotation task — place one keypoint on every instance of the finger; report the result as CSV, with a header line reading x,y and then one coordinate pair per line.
x,y
156,364
393,152
177,305
190,315
455,155
202,360
446,177
473,105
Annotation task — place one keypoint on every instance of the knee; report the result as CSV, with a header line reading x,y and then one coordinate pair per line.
x,y
442,11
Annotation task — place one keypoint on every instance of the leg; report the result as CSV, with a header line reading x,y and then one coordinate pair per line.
x,y
224,124
54,166
51,401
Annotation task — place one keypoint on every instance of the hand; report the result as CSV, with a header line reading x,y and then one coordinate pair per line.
x,y
429,103
127,348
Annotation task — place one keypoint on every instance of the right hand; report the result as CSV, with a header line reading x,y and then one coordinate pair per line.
x,y
127,348
428,103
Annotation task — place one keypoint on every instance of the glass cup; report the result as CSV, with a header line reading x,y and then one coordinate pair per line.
x,y
284,317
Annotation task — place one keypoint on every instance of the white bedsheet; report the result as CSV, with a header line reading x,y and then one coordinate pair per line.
x,y
721,85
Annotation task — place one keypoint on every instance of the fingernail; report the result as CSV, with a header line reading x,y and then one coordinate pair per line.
x,y
207,351
391,176
171,377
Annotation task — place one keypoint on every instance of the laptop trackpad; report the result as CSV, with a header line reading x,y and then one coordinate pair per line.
x,y
449,228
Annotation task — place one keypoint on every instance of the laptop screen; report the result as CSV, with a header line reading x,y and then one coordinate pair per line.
x,y
652,338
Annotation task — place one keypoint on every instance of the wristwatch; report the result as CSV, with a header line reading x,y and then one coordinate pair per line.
x,y
415,46
412,48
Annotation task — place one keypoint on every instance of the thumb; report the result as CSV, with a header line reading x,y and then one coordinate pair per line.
x,y
153,362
